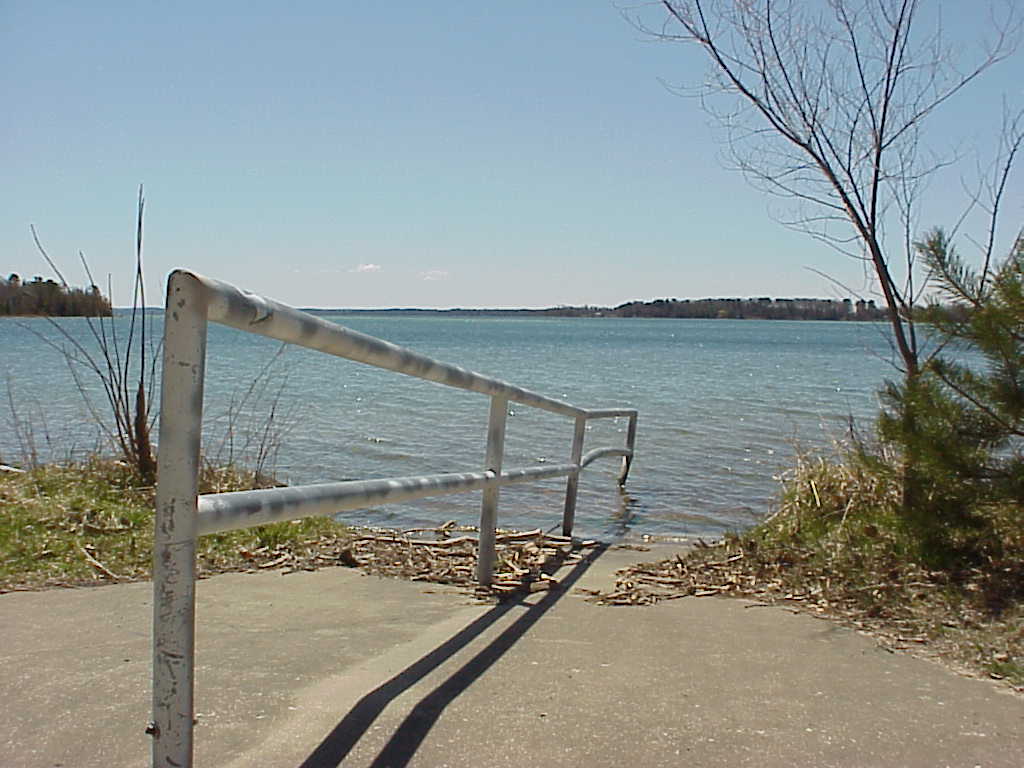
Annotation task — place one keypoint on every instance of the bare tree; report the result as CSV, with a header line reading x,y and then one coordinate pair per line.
x,y
829,101
124,366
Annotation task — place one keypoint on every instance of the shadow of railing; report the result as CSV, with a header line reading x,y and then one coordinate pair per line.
x,y
413,729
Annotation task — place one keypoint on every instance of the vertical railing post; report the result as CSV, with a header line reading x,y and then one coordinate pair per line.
x,y
174,544
574,479
627,461
489,507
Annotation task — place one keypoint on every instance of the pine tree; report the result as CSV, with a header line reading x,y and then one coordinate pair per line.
x,y
985,314
957,425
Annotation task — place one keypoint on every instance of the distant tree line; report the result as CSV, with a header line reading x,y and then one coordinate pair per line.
x,y
47,297
738,309
754,309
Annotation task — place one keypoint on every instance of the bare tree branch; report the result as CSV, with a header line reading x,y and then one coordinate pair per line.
x,y
826,103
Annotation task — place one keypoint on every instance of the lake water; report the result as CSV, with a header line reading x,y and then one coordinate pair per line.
x,y
722,404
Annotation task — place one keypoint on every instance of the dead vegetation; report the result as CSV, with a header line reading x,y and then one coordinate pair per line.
x,y
525,560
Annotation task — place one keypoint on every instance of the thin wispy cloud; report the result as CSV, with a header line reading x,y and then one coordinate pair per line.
x,y
434,274
364,268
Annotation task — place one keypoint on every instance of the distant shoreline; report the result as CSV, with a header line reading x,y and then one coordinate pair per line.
x,y
696,309
842,310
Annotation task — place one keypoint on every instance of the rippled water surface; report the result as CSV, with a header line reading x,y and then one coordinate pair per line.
x,y
721,403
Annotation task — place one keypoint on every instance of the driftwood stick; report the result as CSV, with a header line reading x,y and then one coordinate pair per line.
x,y
274,563
554,537
661,579
536,532
98,565
442,528
419,542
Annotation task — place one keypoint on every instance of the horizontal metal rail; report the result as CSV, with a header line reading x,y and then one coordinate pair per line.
x,y
182,514
599,453
608,413
256,314
245,509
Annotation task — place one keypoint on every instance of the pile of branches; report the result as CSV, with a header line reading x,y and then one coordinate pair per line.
x,y
525,561
771,574
888,603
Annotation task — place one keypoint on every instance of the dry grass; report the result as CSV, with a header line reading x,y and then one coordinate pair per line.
x,y
92,523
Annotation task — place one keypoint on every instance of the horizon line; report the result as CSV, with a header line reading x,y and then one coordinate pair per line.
x,y
594,307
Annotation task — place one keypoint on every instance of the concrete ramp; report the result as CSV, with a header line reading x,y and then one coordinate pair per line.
x,y
338,668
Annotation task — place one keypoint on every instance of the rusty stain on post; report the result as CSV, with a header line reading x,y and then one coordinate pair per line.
x,y
175,530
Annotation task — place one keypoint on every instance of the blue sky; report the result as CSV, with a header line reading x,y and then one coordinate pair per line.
x,y
361,154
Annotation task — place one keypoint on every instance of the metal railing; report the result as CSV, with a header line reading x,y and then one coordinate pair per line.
x,y
182,515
